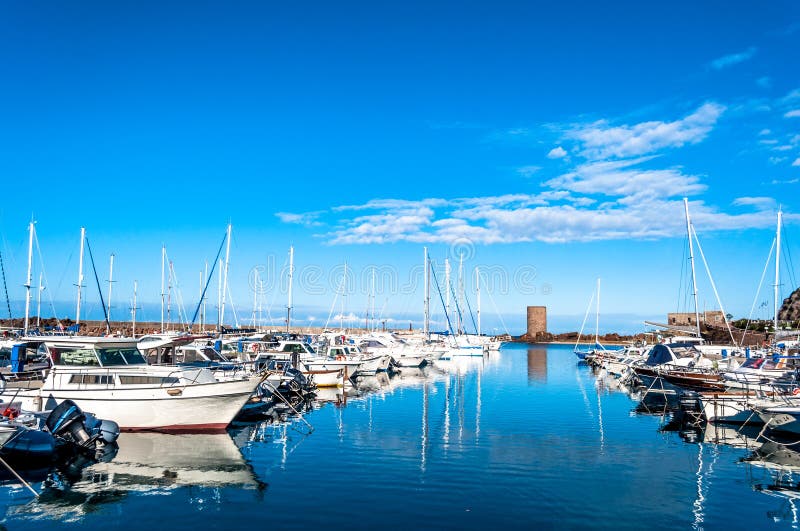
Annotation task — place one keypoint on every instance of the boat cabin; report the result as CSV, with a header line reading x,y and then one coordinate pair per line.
x,y
90,352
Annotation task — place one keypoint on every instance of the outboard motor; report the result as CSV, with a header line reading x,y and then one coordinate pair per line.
x,y
67,422
107,430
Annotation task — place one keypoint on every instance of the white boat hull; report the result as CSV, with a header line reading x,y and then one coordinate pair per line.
x,y
206,407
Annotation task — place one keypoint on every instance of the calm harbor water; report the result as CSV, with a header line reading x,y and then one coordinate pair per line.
x,y
523,438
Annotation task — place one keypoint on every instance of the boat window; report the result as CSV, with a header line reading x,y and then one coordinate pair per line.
x,y
188,355
294,348
147,380
75,356
120,356
769,364
92,379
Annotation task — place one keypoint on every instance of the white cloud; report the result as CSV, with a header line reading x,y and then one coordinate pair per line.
x,y
732,59
307,218
764,82
627,179
761,203
601,141
777,160
792,95
796,162
346,317
783,148
528,171
618,191
764,132
792,114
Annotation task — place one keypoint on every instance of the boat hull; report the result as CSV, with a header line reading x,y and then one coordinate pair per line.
x,y
193,408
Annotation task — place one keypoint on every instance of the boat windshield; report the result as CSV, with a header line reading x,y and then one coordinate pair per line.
x,y
213,355
120,356
74,356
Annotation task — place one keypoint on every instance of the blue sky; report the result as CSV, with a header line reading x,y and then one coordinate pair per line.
x,y
552,144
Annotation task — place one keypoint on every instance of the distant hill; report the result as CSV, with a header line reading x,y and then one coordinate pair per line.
x,y
790,309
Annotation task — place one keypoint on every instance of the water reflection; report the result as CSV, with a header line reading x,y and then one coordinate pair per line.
x,y
152,463
537,365
203,470
771,463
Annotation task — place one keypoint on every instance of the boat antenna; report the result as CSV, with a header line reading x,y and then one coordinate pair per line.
x,y
99,289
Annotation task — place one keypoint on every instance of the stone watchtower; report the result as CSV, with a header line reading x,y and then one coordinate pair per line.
x,y
537,321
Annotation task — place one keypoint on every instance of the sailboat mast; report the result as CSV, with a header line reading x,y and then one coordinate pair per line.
x,y
478,297
777,272
80,279
447,285
39,302
133,310
597,317
291,281
225,276
219,296
427,302
255,295
169,295
344,291
372,318
28,281
460,301
203,314
110,283
691,258
163,294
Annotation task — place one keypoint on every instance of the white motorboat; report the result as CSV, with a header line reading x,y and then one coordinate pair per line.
x,y
326,377
110,378
369,364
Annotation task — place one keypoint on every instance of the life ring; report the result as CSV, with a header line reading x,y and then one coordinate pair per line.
x,y
339,358
796,391
254,347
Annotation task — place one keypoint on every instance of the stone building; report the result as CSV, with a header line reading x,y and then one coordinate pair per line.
x,y
712,318
537,321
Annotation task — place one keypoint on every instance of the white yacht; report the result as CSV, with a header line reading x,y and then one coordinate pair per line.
x,y
110,378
